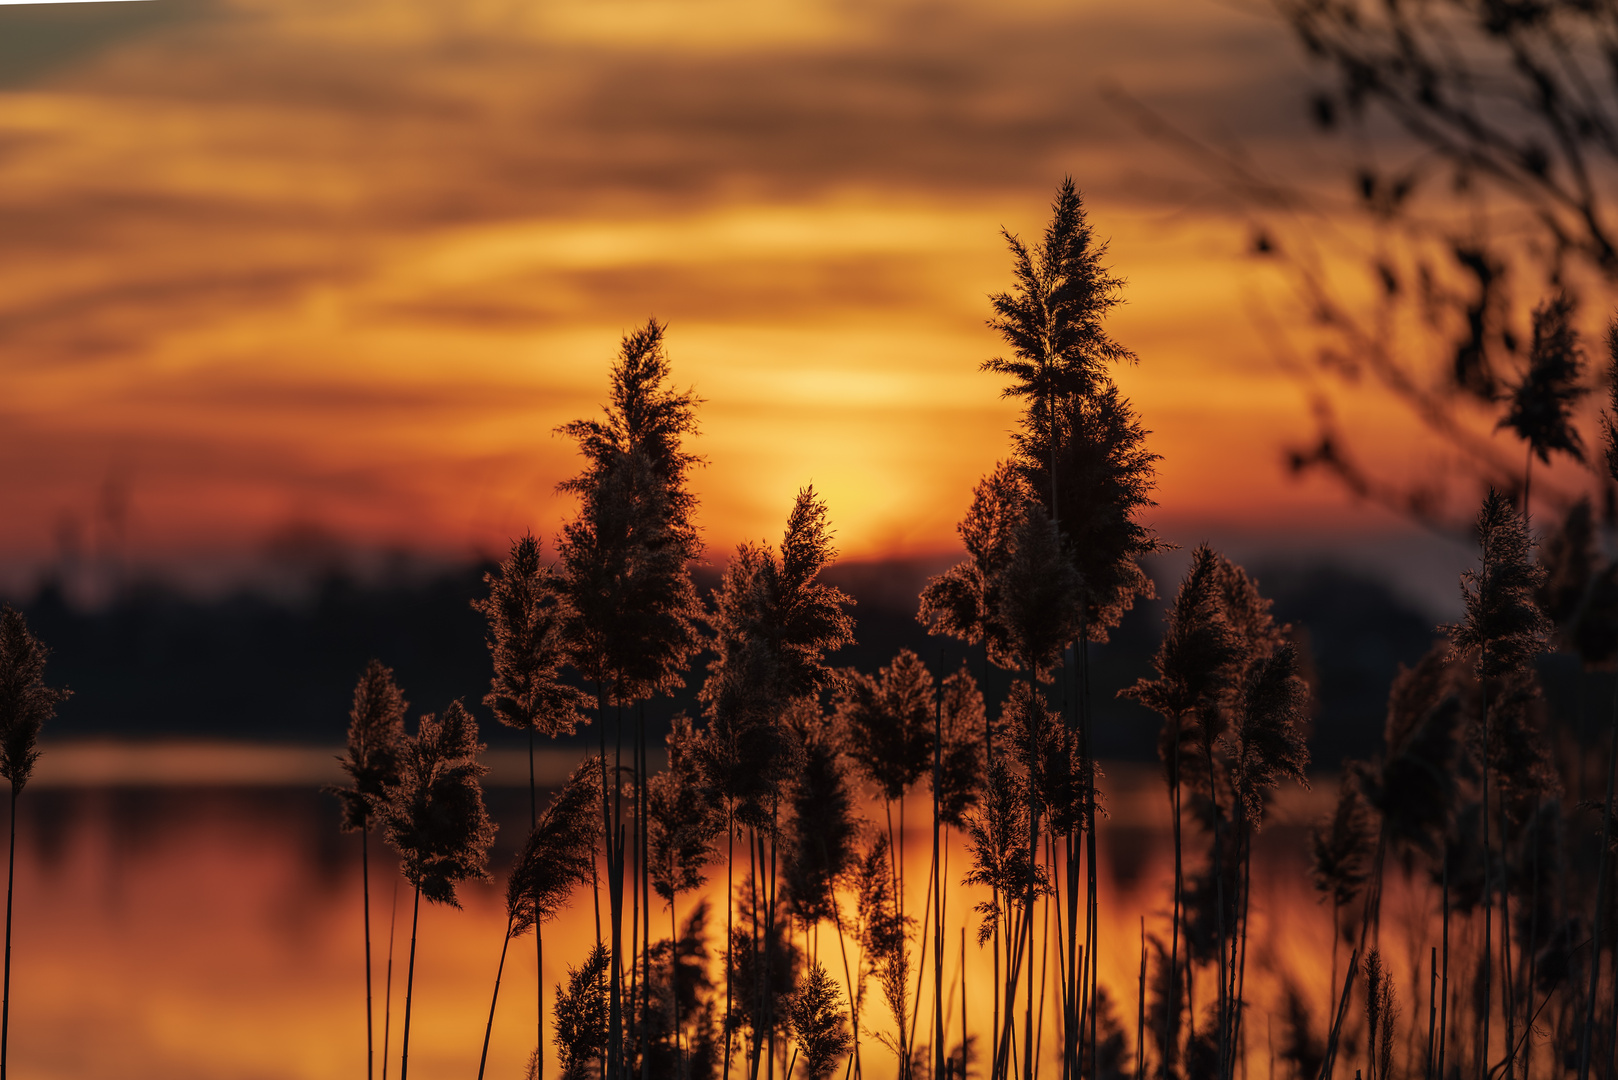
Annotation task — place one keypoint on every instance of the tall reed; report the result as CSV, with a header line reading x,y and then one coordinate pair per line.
x,y
527,613
25,704
436,822
375,732
554,861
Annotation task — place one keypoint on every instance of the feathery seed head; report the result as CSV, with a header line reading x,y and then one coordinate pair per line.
x,y
1104,478
375,735
1200,656
964,601
1052,317
821,844
819,1024
682,818
1341,846
887,723
527,612
1503,622
25,701
436,819
559,854
1541,411
997,835
1039,594
1269,730
961,756
1415,789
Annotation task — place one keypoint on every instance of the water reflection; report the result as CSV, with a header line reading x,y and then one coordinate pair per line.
x,y
196,931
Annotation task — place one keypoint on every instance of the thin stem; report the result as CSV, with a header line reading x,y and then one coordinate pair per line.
x,y
1443,993
1140,1009
11,874
730,869
488,1028
938,886
387,985
539,942
410,985
365,892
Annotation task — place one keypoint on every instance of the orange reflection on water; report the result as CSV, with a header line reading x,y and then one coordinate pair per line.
x,y
215,932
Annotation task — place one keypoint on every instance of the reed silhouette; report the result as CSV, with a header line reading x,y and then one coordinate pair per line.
x,y
773,622
1461,812
437,823
26,702
375,735
1542,403
633,621
1080,451
581,1016
818,1025
527,611
557,858
1503,631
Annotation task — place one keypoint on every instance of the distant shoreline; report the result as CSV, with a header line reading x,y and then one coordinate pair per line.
x,y
1131,790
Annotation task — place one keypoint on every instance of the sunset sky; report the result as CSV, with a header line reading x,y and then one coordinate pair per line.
x,y
304,272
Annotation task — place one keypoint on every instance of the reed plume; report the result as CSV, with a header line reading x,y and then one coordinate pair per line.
x,y
887,723
821,848
681,818
884,935
1039,593
1081,451
1102,480
1052,319
682,823
1269,743
997,835
437,823
25,704
1340,847
527,613
962,748
1381,1014
1541,405
375,733
1414,789
964,601
818,1024
581,1015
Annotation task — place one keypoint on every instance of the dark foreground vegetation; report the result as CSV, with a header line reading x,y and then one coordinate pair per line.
x,y
1482,800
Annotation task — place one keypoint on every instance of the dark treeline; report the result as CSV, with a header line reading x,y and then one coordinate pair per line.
x,y
156,662
1484,803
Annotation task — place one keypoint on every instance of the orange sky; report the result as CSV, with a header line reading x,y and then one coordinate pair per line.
x,y
341,266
